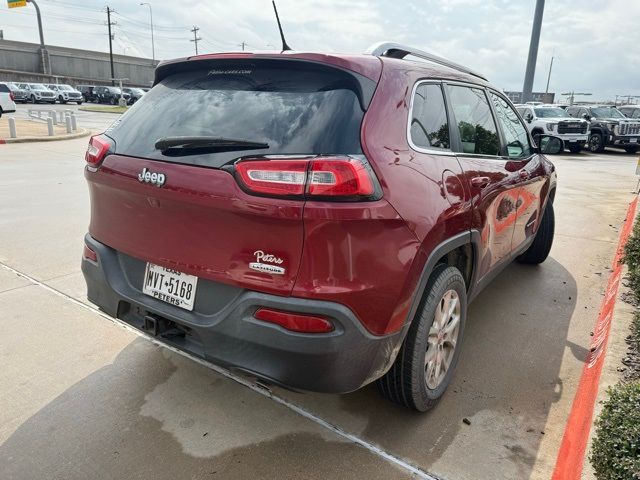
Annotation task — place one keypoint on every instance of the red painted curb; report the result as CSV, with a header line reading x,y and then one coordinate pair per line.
x,y
576,433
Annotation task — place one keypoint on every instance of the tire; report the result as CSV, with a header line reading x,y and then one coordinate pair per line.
x,y
596,143
79,103
539,250
407,382
61,100
575,148
631,149
33,99
113,101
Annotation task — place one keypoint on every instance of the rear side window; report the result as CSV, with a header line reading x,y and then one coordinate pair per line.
x,y
429,125
4,88
293,107
478,132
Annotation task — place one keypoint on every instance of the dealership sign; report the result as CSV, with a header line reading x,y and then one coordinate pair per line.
x,y
16,3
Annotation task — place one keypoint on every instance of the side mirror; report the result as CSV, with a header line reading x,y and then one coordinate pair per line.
x,y
550,145
528,117
586,116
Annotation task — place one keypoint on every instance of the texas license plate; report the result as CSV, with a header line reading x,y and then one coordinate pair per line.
x,y
170,286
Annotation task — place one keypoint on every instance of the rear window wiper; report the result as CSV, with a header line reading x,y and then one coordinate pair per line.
x,y
195,145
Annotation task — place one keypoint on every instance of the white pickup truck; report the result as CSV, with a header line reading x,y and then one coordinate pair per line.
x,y
553,120
7,105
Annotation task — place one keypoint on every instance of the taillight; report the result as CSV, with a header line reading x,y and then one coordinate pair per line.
x,y
12,97
296,322
275,177
99,146
346,178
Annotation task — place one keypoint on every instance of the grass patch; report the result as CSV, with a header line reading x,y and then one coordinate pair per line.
x,y
615,453
105,109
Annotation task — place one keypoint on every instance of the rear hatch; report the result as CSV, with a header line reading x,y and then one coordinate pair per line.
x,y
198,219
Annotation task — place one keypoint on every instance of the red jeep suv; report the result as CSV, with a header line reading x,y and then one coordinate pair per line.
x,y
315,221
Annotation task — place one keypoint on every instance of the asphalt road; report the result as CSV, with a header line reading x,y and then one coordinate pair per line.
x,y
81,397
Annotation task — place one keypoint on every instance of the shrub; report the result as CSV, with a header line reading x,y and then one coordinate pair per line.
x,y
615,453
632,259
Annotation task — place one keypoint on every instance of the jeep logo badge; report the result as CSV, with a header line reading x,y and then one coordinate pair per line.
x,y
157,179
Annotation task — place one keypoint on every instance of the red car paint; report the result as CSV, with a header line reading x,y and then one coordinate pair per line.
x,y
368,256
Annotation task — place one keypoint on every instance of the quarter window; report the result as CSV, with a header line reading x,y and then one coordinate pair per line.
x,y
478,132
429,126
515,134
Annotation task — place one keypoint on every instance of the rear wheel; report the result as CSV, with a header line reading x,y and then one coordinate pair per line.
x,y
596,143
427,359
541,246
631,149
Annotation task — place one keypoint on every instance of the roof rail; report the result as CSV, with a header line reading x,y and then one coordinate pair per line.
x,y
397,50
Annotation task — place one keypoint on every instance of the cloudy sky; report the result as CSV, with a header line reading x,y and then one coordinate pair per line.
x,y
595,42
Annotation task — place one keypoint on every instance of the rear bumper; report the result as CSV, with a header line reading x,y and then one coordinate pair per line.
x,y
222,329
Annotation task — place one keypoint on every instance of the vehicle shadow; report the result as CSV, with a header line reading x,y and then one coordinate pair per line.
x,y
152,414
506,382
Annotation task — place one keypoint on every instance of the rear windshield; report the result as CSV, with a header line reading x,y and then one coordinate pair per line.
x,y
294,107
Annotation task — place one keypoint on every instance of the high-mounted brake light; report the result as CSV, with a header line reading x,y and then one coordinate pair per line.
x,y
98,147
333,177
297,322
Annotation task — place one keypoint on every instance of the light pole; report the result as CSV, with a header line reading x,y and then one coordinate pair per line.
x,y
153,45
44,55
533,52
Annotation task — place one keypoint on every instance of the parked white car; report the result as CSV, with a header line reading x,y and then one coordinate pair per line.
x,y
7,105
553,120
66,93
38,93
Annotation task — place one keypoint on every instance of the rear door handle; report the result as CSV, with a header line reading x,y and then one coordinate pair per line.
x,y
480,182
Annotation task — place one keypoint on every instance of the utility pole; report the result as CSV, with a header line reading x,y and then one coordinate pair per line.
x,y
242,45
44,54
550,67
109,23
195,39
533,52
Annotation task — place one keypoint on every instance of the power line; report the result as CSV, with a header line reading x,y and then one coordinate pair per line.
x,y
195,38
141,24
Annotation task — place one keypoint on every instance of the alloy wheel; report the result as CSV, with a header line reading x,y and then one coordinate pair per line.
x,y
443,337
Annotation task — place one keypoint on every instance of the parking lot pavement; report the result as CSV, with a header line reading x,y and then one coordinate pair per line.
x,y
83,397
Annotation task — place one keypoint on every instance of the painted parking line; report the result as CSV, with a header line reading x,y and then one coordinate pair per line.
x,y
576,435
416,471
